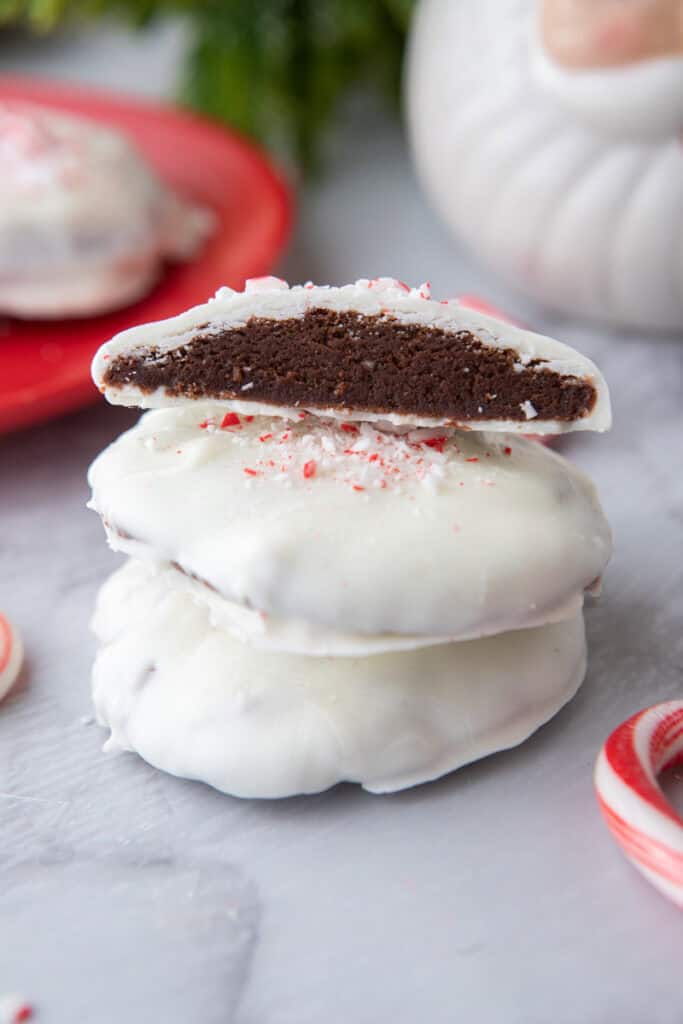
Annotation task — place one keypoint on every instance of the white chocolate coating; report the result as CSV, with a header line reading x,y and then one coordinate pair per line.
x,y
271,298
455,535
297,636
194,702
85,224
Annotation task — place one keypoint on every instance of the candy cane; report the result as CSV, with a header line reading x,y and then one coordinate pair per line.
x,y
14,1010
641,819
11,655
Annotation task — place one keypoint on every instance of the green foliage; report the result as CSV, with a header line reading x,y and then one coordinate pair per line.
x,y
274,69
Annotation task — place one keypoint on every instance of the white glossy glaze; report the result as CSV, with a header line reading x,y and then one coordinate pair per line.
x,y
195,702
458,535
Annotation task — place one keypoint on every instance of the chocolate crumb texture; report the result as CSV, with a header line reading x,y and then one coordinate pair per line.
x,y
346,360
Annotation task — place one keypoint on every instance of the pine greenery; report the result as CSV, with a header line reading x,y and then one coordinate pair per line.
x,y
274,69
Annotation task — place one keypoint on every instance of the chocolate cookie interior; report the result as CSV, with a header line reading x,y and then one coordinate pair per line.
x,y
346,360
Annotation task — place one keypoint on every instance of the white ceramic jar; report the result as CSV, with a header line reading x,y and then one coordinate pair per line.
x,y
567,183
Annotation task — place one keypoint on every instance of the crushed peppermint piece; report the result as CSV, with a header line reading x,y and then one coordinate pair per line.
x,y
435,442
14,1009
507,450
362,458
231,419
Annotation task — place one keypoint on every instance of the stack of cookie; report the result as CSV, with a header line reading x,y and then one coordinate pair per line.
x,y
345,560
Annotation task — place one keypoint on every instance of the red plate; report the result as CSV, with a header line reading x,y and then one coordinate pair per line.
x,y
45,366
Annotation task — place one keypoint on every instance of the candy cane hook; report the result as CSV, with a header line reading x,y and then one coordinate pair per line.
x,y
641,819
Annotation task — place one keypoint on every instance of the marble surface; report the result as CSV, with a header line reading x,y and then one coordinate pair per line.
x,y
494,895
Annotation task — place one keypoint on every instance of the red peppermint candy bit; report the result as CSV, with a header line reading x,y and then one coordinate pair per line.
x,y
473,459
373,458
436,442
507,450
349,428
22,1013
203,425
310,468
231,419
251,472
265,437
357,487
249,419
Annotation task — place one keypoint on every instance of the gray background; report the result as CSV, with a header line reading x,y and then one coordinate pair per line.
x,y
494,895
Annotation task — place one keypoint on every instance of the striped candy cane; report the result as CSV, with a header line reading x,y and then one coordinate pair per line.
x,y
641,819
11,655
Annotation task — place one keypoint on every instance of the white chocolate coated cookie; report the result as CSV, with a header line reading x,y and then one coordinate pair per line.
x,y
166,344
295,636
349,527
195,702
85,223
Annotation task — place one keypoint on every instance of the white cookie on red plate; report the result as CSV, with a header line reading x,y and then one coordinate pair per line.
x,y
85,223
